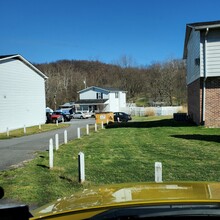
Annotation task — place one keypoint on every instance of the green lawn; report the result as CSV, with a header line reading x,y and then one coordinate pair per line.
x,y
124,153
31,130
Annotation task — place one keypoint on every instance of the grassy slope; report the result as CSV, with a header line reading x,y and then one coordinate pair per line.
x,y
32,130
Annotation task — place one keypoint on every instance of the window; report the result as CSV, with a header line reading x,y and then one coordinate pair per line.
x,y
197,61
99,95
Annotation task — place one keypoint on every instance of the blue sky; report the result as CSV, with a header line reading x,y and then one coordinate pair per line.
x,y
147,31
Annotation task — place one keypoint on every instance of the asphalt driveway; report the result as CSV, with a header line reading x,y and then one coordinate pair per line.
x,y
13,152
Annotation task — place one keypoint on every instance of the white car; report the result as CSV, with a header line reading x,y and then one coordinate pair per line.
x,y
80,115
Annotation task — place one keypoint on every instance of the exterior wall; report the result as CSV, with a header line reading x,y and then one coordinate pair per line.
x,y
22,96
212,101
117,104
113,102
203,62
213,53
212,107
122,99
193,53
194,93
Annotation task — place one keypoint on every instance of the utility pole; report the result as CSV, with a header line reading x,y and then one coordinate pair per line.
x,y
55,103
85,82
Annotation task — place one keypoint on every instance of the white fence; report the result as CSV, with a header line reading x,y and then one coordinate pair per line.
x,y
150,111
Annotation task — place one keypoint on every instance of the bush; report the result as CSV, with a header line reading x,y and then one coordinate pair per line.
x,y
149,112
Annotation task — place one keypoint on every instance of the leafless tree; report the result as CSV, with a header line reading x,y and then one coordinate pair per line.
x,y
159,82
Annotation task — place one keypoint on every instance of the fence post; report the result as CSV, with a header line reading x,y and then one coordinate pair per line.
x,y
158,172
102,125
39,126
51,153
78,132
65,137
7,132
95,127
56,141
81,167
87,129
24,129
57,122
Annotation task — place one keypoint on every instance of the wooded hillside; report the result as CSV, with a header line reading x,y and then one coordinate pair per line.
x,y
159,82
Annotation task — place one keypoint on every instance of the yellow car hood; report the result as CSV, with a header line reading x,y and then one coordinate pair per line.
x,y
129,194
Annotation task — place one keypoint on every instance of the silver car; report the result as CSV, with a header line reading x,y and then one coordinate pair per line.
x,y
80,115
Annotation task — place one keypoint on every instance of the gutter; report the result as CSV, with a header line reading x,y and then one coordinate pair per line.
x,y
205,77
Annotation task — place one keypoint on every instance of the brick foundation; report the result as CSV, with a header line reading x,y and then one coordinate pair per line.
x,y
212,102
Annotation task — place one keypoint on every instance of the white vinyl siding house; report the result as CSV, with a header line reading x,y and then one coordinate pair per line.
x,y
22,94
102,99
202,55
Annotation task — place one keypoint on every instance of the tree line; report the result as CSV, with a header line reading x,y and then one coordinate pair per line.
x,y
163,83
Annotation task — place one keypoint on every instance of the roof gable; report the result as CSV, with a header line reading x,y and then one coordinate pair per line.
x,y
198,26
22,59
99,89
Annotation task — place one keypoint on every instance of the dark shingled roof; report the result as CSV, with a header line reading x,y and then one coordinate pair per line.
x,y
5,56
106,89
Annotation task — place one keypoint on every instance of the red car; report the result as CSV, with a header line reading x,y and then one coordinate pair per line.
x,y
56,117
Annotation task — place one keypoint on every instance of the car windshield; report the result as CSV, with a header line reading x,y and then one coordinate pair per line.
x,y
117,109
57,113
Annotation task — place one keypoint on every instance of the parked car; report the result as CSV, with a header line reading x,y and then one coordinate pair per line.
x,y
59,116
68,112
142,200
56,117
90,114
122,117
81,115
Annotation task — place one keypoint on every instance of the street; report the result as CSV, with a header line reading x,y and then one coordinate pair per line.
x,y
13,152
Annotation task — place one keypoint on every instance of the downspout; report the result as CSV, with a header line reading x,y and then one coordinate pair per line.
x,y
205,77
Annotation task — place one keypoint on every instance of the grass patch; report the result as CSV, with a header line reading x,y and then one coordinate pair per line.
x,y
31,130
120,153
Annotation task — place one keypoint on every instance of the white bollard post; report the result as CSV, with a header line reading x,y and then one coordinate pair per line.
x,y
24,129
39,126
78,132
102,125
51,153
158,172
57,122
65,137
56,141
87,129
7,132
95,127
81,168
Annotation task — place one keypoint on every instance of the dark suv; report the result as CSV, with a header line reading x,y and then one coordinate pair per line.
x,y
122,117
